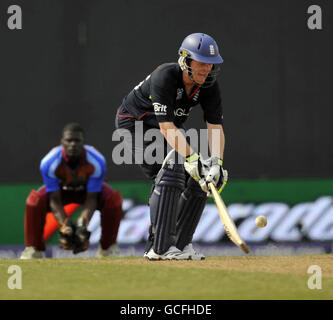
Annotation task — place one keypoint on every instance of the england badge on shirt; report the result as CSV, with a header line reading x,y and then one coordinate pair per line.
x,y
179,93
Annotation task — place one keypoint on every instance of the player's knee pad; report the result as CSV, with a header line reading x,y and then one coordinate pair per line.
x,y
171,174
171,177
189,210
169,184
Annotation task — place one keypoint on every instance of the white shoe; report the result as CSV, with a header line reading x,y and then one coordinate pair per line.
x,y
112,251
31,253
192,253
171,254
151,255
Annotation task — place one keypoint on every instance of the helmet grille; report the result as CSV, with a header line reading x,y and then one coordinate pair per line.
x,y
184,63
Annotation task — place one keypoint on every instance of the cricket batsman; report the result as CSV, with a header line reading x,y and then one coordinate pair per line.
x,y
73,172
164,101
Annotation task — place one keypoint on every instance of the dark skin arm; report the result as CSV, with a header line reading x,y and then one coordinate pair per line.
x,y
57,207
89,206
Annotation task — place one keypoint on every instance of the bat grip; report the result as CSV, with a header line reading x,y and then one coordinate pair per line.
x,y
212,186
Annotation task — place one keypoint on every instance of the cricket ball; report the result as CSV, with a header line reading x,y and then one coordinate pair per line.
x,y
261,221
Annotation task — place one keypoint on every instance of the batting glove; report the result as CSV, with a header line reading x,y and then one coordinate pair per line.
x,y
193,166
216,174
196,168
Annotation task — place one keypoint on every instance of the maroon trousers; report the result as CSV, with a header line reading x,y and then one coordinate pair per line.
x,y
37,205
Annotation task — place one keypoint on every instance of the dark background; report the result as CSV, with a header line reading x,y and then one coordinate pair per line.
x,y
75,60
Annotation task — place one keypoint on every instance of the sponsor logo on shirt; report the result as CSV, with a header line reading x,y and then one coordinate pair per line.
x,y
179,112
72,188
160,109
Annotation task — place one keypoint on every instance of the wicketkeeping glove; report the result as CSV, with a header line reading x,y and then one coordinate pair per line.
x,y
82,236
216,174
67,235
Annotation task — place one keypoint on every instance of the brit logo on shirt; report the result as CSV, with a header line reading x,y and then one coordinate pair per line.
x,y
160,109
179,93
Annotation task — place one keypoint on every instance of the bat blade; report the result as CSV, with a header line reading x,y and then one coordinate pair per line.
x,y
228,223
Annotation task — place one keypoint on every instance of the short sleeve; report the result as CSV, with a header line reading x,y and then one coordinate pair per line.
x,y
48,166
163,88
95,181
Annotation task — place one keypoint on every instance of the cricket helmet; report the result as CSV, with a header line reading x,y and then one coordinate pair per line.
x,y
202,48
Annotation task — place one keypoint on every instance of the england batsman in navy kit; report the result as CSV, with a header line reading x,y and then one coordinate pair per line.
x,y
164,100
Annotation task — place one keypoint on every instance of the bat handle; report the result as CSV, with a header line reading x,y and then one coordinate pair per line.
x,y
211,185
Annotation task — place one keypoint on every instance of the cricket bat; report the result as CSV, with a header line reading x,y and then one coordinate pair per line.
x,y
228,224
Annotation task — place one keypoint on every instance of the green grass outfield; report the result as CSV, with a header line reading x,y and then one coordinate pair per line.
x,y
216,278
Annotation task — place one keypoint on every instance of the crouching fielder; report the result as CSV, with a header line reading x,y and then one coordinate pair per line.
x,y
73,173
163,101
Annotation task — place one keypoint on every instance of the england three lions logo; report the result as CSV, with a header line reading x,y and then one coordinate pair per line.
x,y
179,93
